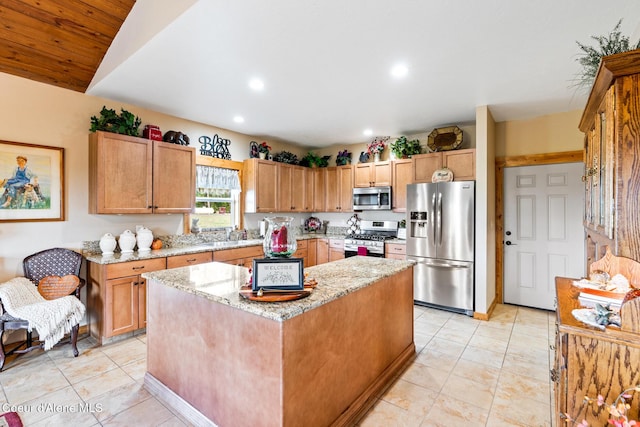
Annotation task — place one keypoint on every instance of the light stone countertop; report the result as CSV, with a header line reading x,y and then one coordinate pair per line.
x,y
221,283
118,257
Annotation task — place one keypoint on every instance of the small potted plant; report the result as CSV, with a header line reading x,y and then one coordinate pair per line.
x,y
263,150
343,158
403,148
376,147
109,121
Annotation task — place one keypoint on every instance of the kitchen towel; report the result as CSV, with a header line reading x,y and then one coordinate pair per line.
x,y
362,250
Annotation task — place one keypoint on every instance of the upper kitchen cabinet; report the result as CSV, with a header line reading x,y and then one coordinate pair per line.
x,y
372,174
291,188
260,180
461,162
402,173
339,189
319,188
131,175
612,152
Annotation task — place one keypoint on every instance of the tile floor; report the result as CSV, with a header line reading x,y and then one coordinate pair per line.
x,y
467,372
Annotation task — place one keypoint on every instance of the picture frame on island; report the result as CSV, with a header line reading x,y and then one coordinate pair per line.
x,y
279,274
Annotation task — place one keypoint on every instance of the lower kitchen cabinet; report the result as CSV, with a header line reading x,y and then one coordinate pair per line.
x,y
336,249
189,259
395,251
322,251
239,256
116,297
302,252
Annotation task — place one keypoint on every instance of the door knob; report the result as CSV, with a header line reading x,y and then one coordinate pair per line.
x,y
508,243
508,233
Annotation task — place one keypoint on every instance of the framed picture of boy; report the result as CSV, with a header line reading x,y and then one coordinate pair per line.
x,y
31,182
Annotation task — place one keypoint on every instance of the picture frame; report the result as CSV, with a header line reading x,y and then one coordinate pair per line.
x,y
31,182
278,274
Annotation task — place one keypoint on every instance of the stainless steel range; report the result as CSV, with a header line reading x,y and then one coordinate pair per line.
x,y
370,240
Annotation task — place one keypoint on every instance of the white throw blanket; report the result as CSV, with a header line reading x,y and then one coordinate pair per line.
x,y
52,319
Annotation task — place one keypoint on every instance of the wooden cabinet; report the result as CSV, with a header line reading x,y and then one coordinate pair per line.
x,y
189,259
131,175
322,251
239,256
336,249
612,153
372,174
320,189
402,174
339,189
312,249
309,190
291,188
260,179
590,362
116,297
461,162
395,250
302,252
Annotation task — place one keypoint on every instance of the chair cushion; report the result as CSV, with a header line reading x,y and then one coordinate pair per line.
x,y
52,287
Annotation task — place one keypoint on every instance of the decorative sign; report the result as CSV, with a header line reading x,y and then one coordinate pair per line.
x,y
216,147
278,274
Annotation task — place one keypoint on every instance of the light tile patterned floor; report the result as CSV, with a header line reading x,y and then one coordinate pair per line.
x,y
466,372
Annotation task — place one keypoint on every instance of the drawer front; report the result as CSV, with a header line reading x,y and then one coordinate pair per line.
x,y
396,249
229,254
189,259
303,244
336,244
135,267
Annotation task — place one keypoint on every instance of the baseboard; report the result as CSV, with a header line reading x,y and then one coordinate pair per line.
x,y
487,315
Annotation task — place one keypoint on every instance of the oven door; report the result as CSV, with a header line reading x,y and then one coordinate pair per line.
x,y
353,249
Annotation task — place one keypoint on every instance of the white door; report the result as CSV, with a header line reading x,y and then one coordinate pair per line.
x,y
543,234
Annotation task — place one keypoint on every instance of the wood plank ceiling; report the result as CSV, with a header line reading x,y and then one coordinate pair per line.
x,y
59,42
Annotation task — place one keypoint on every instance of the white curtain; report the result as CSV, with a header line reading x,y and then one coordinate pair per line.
x,y
212,177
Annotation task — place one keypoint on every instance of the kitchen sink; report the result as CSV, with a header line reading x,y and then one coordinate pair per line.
x,y
232,244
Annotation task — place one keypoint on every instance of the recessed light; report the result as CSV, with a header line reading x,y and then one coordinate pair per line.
x,y
256,84
399,71
238,119
367,132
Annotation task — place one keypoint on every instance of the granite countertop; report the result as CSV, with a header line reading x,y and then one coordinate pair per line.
x,y
118,257
221,282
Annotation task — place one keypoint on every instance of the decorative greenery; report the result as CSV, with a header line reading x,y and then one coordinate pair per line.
x,y
125,123
590,56
402,148
343,158
286,157
264,147
311,159
377,145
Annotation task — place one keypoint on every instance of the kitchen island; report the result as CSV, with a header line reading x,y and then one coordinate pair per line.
x,y
220,359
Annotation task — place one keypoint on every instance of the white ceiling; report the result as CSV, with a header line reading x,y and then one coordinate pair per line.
x,y
326,63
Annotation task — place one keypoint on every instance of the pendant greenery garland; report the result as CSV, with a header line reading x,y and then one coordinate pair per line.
x,y
590,56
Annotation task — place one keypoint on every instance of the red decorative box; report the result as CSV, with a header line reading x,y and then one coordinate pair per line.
x,y
152,132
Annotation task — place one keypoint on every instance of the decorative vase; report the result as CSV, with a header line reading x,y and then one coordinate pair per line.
x,y
279,240
144,239
262,155
108,244
376,157
127,241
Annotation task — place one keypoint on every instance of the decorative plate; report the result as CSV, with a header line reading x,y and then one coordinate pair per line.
x,y
442,175
312,224
445,139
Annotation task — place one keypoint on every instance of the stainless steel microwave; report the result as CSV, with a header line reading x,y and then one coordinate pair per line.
x,y
372,198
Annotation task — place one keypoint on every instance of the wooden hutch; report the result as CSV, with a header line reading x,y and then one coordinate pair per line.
x,y
611,123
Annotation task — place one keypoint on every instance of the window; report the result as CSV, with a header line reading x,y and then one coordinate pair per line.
x,y
217,197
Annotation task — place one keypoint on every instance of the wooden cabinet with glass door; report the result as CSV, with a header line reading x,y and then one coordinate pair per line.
x,y
612,154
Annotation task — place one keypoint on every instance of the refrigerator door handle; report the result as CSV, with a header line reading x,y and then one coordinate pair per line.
x,y
440,218
442,265
433,215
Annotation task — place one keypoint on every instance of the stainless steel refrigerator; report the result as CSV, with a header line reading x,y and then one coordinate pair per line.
x,y
441,239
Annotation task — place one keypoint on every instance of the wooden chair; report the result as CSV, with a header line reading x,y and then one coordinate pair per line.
x,y
50,262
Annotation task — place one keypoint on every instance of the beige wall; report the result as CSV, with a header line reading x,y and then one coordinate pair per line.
x,y
544,134
46,115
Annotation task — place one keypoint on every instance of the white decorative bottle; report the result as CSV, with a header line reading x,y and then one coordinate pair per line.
x,y
144,238
108,244
127,241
